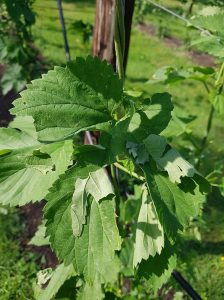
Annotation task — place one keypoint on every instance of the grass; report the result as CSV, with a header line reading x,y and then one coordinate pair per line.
x,y
17,269
47,30
202,263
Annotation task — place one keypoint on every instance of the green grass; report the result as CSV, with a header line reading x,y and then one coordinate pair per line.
x,y
169,25
47,30
17,269
202,263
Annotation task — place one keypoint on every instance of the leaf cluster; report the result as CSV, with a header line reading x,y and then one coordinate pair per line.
x,y
16,51
39,158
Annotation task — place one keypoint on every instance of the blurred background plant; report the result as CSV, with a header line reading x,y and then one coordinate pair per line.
x,y
18,56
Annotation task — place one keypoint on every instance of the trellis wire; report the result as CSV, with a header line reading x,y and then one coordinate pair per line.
x,y
67,52
180,17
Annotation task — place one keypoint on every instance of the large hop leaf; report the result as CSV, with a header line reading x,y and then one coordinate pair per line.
x,y
94,251
67,100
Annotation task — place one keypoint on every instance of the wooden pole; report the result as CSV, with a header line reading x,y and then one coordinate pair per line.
x,y
103,44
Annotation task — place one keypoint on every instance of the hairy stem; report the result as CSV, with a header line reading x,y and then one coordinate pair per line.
x,y
133,174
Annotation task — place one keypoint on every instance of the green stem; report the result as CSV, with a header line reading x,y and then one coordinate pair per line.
x,y
119,38
208,128
220,75
206,87
193,142
219,83
133,174
116,188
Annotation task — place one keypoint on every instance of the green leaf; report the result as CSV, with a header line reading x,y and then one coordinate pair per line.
x,y
13,139
153,119
149,238
92,154
211,45
176,166
68,100
174,204
38,162
126,257
25,124
115,139
94,251
155,145
129,209
170,75
57,279
5,151
99,186
217,101
58,211
93,292
79,206
167,75
12,78
25,178
213,23
40,239
178,124
170,160
158,269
